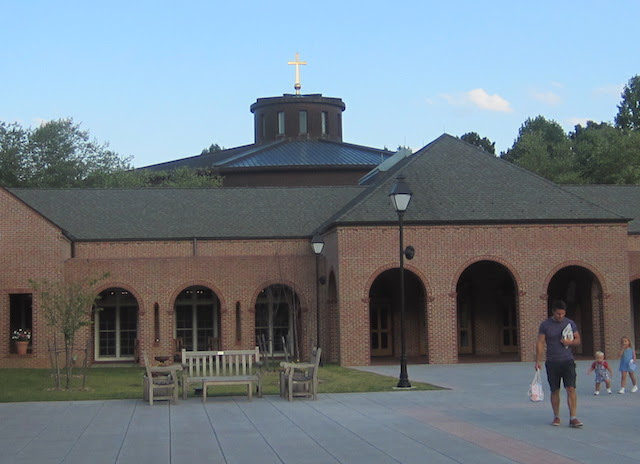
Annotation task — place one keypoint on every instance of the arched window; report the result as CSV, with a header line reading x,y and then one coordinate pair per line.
x,y
116,325
276,315
197,319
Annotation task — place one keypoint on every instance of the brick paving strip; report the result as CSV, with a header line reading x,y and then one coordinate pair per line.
x,y
516,450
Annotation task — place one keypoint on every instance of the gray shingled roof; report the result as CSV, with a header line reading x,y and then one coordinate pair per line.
x,y
455,182
621,199
284,153
169,214
452,182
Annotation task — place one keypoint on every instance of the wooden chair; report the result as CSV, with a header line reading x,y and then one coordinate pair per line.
x,y
178,344
159,383
301,379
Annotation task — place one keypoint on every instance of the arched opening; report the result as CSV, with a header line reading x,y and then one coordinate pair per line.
x,y
197,316
635,310
277,320
116,326
385,313
487,316
581,291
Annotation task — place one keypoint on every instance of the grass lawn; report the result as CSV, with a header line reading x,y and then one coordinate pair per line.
x,y
126,382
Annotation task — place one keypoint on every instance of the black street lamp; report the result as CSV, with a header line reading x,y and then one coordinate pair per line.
x,y
317,244
401,197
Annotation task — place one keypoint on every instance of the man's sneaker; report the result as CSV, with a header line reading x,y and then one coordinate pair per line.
x,y
556,421
596,393
621,391
575,423
634,389
609,390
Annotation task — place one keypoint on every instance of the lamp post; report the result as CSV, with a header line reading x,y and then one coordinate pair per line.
x,y
401,197
317,244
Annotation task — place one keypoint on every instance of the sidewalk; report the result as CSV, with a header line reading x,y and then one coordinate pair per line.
x,y
485,417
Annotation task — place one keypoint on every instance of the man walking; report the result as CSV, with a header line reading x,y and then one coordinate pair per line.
x,y
559,333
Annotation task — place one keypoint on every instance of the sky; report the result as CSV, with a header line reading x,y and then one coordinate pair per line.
x,y
163,80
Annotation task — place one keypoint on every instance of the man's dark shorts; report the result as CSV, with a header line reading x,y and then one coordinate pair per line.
x,y
565,370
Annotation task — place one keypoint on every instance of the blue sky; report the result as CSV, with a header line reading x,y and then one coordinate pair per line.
x,y
163,80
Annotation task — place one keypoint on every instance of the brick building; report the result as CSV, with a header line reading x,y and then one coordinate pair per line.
x,y
215,268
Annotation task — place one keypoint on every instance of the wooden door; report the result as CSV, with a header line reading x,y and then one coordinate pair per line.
x,y
465,329
509,330
381,333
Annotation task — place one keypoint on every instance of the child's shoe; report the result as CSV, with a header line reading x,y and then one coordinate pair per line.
x,y
621,391
609,390
596,393
634,389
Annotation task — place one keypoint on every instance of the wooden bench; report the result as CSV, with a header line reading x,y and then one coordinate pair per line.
x,y
232,367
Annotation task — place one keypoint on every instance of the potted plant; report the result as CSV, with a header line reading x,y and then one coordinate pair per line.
x,y
22,338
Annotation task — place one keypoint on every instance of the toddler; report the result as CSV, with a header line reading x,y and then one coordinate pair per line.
x,y
603,372
627,364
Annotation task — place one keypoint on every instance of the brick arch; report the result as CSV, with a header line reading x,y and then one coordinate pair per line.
x,y
386,267
126,287
578,263
195,283
634,277
304,305
495,259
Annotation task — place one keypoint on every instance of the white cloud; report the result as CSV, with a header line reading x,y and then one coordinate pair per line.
x,y
549,98
610,90
479,98
482,99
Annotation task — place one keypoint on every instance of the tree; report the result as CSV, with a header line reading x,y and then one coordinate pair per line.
x,y
182,177
628,117
66,307
62,155
56,154
605,154
543,147
13,142
483,143
552,136
214,147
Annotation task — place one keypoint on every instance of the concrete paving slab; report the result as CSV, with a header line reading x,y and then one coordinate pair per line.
x,y
483,417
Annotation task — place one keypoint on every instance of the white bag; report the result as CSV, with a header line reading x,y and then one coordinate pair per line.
x,y
536,393
567,334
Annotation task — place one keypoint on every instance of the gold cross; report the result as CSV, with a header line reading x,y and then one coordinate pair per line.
x,y
297,64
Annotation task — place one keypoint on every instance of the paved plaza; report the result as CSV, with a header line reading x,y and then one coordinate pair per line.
x,y
483,417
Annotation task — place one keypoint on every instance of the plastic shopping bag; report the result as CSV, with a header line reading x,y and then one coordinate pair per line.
x,y
567,334
536,393
632,365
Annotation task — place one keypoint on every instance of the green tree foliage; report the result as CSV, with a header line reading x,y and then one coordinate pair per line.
x,y
605,154
13,143
543,147
214,147
56,154
481,142
628,117
66,307
182,177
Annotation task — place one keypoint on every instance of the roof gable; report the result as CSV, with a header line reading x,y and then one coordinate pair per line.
x,y
453,181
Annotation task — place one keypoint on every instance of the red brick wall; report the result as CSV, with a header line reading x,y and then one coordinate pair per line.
x,y
533,254
155,272
30,248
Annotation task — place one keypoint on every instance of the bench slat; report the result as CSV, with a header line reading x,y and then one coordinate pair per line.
x,y
221,367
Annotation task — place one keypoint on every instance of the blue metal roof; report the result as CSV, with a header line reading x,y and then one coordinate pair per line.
x,y
307,153
285,153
